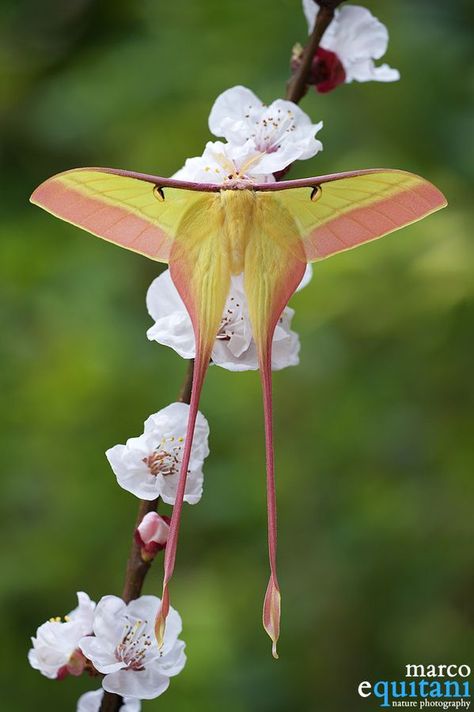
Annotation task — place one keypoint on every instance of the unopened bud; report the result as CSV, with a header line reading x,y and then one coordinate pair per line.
x,y
327,71
152,534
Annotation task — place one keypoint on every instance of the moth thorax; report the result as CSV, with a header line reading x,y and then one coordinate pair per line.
x,y
238,207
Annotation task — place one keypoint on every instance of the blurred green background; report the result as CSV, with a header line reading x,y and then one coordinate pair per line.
x,y
374,428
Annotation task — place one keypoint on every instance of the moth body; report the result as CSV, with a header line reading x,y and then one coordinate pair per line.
x,y
238,213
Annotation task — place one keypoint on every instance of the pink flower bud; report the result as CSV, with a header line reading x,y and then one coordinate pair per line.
x,y
327,71
152,534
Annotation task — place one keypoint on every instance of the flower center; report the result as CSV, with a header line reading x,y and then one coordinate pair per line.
x,y
165,460
233,175
269,130
134,645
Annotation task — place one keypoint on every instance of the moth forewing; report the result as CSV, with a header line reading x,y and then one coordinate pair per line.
x,y
357,208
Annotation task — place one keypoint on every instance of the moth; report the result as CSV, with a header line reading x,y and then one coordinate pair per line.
x,y
207,233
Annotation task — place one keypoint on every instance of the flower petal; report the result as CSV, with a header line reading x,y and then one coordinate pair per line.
x,y
174,661
101,655
108,614
172,325
310,9
91,702
364,70
143,684
229,109
84,613
144,608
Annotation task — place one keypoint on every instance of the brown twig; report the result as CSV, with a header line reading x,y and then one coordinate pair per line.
x,y
298,84
185,392
111,702
137,569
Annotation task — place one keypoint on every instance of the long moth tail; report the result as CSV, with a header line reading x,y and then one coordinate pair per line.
x,y
272,601
200,367
274,266
263,334
200,274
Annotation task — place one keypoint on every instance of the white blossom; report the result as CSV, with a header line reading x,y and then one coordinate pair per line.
x,y
234,348
55,652
91,701
281,132
125,650
221,162
148,466
358,38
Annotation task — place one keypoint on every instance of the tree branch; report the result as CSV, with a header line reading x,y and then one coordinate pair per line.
x,y
185,392
137,569
298,84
